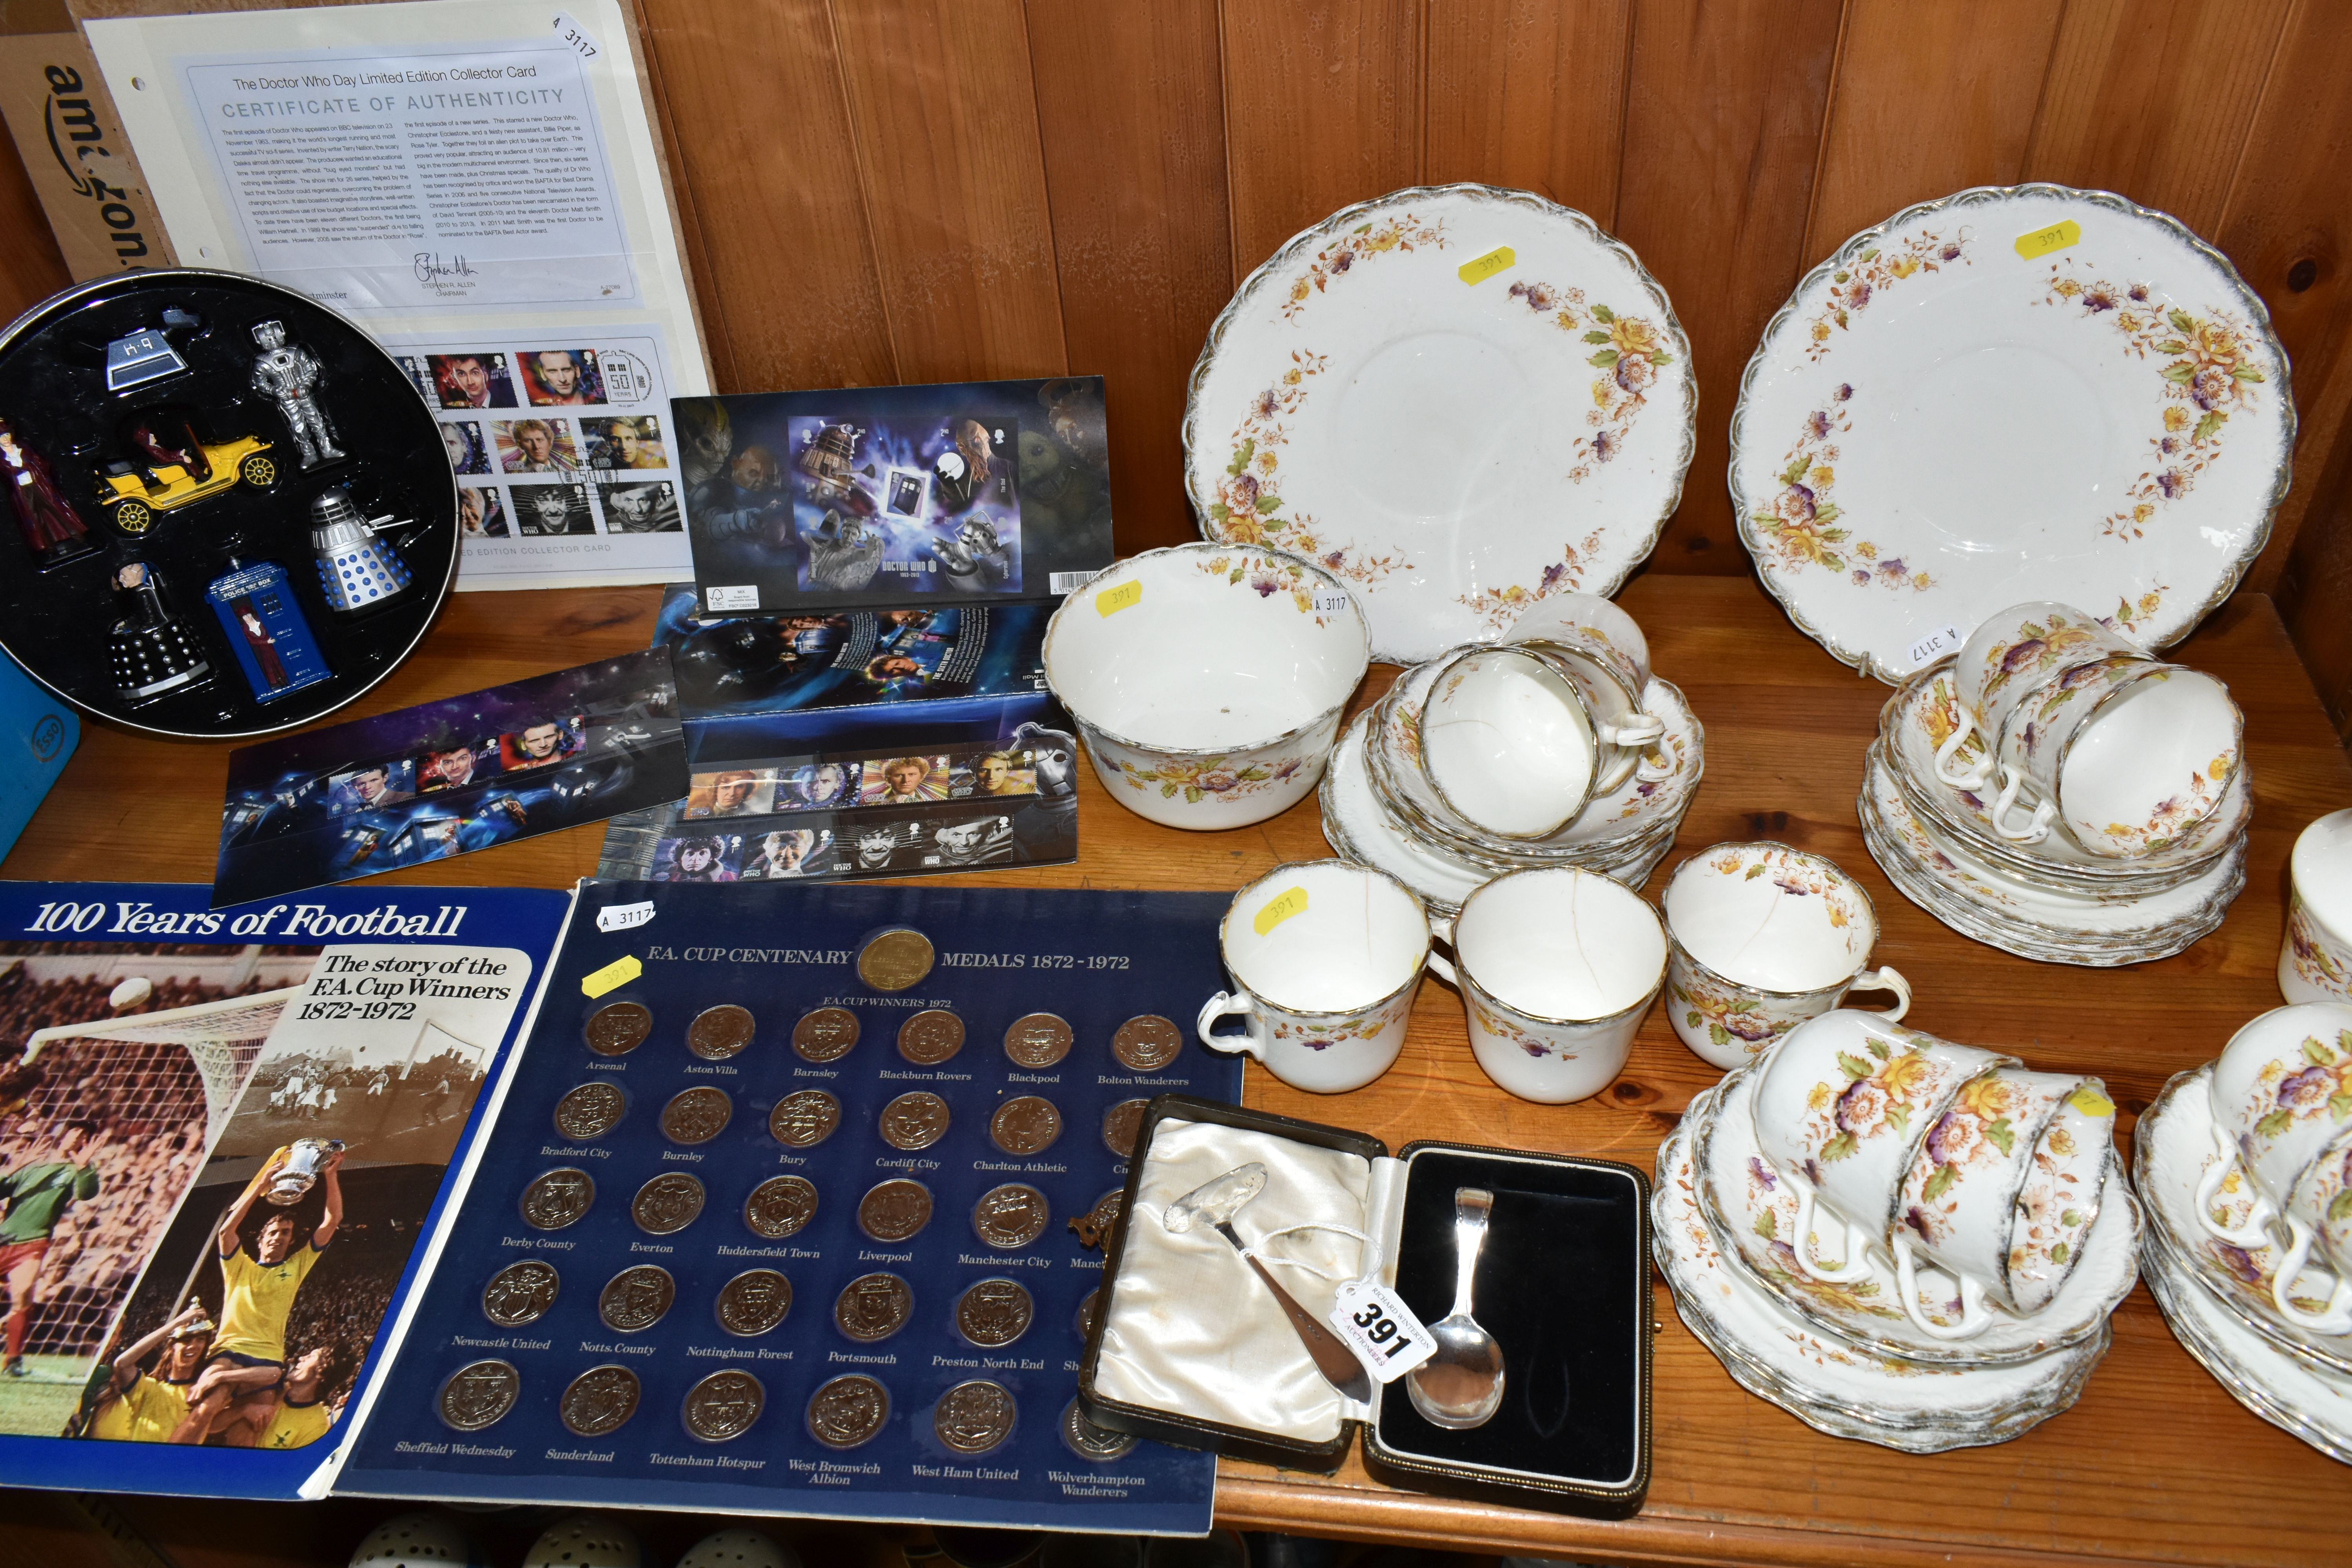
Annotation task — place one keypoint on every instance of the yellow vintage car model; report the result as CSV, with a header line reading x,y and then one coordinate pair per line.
x,y
132,497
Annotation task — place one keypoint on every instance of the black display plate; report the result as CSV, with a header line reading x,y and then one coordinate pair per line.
x,y
52,391
1095,959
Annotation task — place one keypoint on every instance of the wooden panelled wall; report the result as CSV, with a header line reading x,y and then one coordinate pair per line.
x,y
919,190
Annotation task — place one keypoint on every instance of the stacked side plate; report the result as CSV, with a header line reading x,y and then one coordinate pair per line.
x,y
1844,1358
2052,901
2217,1296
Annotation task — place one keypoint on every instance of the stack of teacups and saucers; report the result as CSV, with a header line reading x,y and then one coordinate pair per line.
x,y
1897,1238
1556,969
2246,1167
1207,679
1553,748
2055,792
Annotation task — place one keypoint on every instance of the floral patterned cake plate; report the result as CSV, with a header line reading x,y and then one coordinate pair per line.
x,y
1755,1211
1822,1379
1458,399
2009,393
2172,1146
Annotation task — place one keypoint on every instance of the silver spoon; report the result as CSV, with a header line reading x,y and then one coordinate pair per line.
x,y
1216,1200
1462,1386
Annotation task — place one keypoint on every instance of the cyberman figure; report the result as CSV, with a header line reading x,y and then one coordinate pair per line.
x,y
287,374
976,558
1047,827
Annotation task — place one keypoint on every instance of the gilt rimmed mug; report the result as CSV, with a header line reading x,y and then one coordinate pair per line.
x,y
2315,956
1764,937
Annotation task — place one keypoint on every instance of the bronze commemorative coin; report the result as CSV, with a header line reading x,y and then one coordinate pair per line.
x,y
755,1301
479,1394
805,1119
915,1120
521,1293
1026,1124
974,1416
723,1406
1147,1043
636,1298
618,1027
896,960
1010,1217
717,1033
696,1115
590,1112
873,1307
1037,1040
779,1206
895,1210
1088,1310
930,1036
995,1312
599,1401
667,1204
825,1034
1087,1441
558,1198
847,1411
1121,1125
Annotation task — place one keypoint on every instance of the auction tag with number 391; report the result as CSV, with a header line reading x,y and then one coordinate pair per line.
x,y
1381,1329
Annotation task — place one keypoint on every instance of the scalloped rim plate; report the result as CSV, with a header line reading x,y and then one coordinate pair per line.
x,y
1460,399
2014,393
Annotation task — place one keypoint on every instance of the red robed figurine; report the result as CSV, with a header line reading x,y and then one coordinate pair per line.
x,y
52,530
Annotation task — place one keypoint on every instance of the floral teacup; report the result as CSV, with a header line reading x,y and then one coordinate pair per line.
x,y
1556,968
2282,1093
2125,754
1960,1206
1512,742
1324,959
1207,679
1599,647
1844,1101
2315,960
1764,937
2010,656
2319,1211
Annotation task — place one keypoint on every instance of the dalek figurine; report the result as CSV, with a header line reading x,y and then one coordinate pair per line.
x,y
357,571
151,650
305,1162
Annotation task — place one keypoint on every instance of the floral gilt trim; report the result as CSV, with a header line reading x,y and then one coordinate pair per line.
x,y
1337,259
1627,349
2207,375
1853,288
1801,526
1248,508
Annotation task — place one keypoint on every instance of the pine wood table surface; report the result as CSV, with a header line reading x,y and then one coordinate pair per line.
x,y
2155,1464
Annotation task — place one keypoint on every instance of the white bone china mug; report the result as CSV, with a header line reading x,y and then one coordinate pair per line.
x,y
1766,936
2315,957
1556,968
1325,958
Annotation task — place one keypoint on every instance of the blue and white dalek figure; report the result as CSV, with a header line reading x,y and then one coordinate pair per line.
x,y
357,571
305,1162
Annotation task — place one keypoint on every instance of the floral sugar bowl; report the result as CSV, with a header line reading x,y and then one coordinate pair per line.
x,y
1207,679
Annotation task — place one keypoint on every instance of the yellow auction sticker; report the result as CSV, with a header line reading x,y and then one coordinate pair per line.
x,y
1111,601
1291,902
2044,241
614,976
1478,268
2091,1102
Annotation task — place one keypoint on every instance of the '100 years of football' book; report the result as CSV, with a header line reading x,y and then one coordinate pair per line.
x,y
756,1198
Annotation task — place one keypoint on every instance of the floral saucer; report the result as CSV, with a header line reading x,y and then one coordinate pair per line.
x,y
2172,1147
1921,715
1754,1211
1957,872
1638,807
1823,1379
1459,399
2009,393
1979,923
2283,1391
